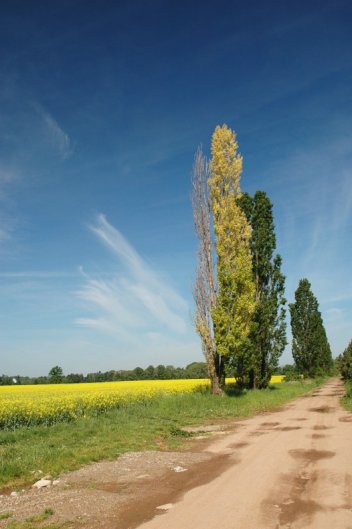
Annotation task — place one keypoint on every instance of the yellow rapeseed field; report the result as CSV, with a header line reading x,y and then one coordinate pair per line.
x,y
51,403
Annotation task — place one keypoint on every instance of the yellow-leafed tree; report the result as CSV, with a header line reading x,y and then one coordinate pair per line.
x,y
235,304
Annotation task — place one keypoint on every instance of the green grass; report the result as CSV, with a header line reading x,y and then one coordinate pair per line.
x,y
34,522
154,424
6,515
346,401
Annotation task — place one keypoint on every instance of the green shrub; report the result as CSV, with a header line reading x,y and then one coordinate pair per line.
x,y
346,363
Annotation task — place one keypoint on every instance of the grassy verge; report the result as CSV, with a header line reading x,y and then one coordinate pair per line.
x,y
346,401
151,425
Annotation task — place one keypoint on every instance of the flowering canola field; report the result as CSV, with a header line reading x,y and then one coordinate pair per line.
x,y
51,403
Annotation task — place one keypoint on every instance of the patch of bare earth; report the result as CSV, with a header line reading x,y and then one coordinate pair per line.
x,y
123,492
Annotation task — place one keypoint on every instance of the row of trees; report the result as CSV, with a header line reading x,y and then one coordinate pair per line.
x,y
159,372
239,287
240,313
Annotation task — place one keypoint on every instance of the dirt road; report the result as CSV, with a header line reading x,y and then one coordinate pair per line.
x,y
286,469
289,469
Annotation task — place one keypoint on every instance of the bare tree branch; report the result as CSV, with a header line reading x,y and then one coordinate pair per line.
x,y
204,290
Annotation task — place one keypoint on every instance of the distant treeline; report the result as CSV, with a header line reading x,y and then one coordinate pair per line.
x,y
160,372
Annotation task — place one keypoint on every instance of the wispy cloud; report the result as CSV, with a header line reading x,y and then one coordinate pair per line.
x,y
59,138
315,198
136,300
311,189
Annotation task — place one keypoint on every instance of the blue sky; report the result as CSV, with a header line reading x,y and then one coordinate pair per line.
x,y
102,106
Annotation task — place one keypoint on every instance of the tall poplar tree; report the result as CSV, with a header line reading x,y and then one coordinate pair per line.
x,y
235,304
204,290
310,347
268,335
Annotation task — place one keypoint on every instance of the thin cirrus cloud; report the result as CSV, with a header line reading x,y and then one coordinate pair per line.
x,y
59,140
318,210
134,301
58,137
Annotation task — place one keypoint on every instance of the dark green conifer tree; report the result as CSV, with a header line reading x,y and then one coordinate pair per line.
x,y
310,347
268,336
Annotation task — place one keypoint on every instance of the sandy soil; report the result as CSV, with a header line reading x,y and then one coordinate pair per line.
x,y
291,468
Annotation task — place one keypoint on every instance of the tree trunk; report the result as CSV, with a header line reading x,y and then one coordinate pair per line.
x,y
220,371
252,379
217,375
263,372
